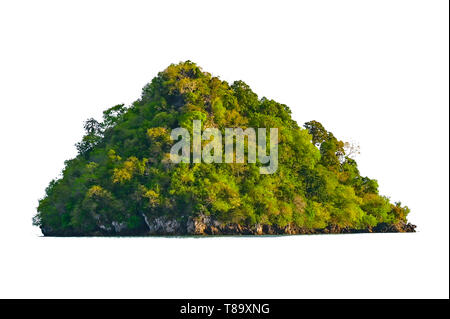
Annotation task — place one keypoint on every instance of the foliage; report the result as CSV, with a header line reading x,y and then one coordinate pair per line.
x,y
122,175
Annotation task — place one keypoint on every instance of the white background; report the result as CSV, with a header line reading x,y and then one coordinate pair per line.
x,y
375,72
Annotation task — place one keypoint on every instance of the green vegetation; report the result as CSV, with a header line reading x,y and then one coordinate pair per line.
x,y
122,175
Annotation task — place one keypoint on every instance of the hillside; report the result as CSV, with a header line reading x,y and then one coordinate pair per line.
x,y
123,181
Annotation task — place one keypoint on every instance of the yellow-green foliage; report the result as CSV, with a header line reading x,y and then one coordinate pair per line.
x,y
97,191
128,169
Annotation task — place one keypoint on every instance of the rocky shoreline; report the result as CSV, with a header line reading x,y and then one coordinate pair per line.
x,y
206,226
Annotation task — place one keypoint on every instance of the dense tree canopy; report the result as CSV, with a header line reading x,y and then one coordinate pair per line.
x,y
122,176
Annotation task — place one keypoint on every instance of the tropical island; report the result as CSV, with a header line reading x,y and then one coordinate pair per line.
x,y
124,182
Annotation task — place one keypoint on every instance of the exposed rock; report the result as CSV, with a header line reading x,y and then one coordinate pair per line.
x,y
394,228
119,227
197,226
164,226
205,225
258,229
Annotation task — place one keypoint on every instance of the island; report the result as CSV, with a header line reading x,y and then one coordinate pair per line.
x,y
195,155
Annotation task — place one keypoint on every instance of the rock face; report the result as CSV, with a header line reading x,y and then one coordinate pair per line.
x,y
205,225
164,226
